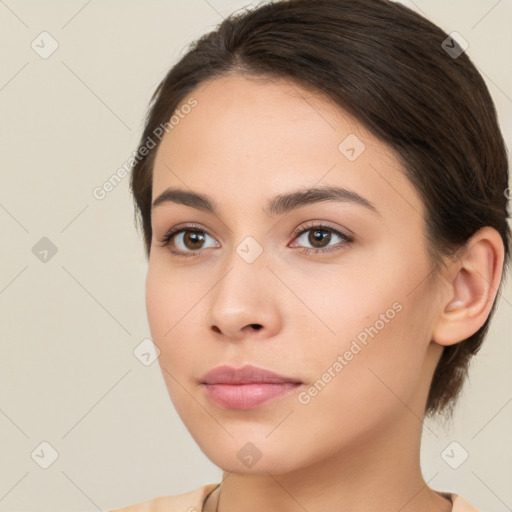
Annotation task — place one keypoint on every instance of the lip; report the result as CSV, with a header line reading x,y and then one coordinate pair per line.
x,y
246,387
247,374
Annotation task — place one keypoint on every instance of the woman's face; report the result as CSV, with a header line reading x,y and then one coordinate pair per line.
x,y
352,324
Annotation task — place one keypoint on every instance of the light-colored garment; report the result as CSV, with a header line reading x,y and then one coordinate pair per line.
x,y
193,501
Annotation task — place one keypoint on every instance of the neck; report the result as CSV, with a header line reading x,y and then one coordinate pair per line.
x,y
379,472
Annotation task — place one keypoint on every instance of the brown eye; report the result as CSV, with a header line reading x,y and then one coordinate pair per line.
x,y
319,237
185,240
193,240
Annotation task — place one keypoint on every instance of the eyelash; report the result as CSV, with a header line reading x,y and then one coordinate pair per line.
x,y
165,241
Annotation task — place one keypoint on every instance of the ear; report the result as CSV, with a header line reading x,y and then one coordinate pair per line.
x,y
472,284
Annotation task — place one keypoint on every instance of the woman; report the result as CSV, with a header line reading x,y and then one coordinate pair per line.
x,y
322,191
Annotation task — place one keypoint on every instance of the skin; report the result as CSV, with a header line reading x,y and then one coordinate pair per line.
x,y
355,445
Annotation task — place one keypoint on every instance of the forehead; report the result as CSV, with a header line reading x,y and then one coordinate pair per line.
x,y
260,137
259,113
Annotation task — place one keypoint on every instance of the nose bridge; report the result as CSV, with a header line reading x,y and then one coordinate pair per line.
x,y
245,275
244,295
247,257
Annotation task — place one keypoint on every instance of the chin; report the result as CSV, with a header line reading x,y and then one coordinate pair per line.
x,y
242,456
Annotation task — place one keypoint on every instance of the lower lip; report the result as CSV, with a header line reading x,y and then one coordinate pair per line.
x,y
246,396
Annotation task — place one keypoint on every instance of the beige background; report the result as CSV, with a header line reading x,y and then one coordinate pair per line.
x,y
69,325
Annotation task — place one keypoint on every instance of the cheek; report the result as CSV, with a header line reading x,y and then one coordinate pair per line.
x,y
174,312
365,377
163,315
381,323
173,326
168,297
157,303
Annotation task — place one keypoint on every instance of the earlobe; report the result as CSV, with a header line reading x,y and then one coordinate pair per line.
x,y
473,282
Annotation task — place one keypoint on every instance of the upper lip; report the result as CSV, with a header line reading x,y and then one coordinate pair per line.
x,y
245,375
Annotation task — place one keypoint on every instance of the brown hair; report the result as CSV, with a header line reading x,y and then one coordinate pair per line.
x,y
391,69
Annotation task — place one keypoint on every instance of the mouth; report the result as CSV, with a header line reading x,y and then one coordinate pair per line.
x,y
247,396
246,387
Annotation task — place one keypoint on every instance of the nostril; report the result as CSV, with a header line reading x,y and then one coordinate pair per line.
x,y
256,326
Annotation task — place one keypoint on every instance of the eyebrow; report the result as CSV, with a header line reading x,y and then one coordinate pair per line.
x,y
278,205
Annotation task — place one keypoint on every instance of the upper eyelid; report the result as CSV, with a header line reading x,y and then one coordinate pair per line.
x,y
322,225
310,224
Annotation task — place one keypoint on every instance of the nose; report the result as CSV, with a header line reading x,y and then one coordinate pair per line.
x,y
254,327
245,302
